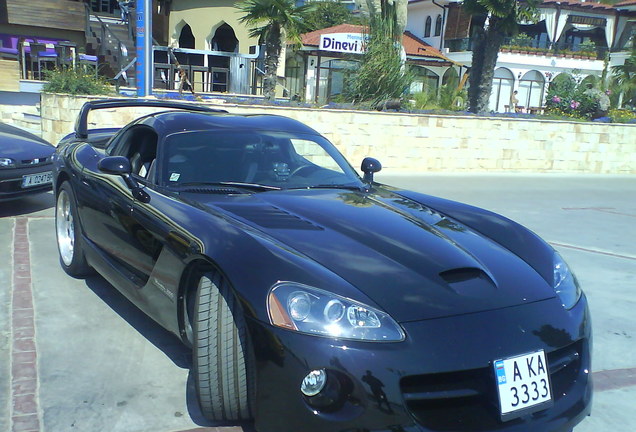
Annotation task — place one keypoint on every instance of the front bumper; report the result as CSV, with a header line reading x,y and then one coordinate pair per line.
x,y
11,181
439,379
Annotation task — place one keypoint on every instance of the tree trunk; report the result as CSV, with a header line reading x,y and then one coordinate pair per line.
x,y
486,44
272,55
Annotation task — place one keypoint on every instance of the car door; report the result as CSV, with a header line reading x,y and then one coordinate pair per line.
x,y
107,206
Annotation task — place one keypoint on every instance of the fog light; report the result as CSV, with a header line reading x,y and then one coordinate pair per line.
x,y
314,382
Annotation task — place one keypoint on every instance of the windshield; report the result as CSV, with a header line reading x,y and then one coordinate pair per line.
x,y
272,159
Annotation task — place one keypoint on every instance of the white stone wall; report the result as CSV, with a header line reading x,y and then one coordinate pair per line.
x,y
22,116
409,143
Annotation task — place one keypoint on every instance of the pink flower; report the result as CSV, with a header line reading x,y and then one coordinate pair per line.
x,y
574,104
608,92
556,99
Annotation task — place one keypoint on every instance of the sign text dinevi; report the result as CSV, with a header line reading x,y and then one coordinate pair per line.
x,y
354,43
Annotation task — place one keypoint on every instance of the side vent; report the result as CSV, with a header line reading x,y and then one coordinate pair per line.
x,y
271,217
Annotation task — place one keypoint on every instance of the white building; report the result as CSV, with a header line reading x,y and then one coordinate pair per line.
x,y
572,36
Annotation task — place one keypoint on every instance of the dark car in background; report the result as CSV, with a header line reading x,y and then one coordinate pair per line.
x,y
314,299
25,163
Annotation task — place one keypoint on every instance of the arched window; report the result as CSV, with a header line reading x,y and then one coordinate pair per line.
x,y
502,84
224,39
450,77
531,88
438,25
427,27
425,80
186,38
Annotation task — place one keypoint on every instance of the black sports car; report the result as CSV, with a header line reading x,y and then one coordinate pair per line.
x,y
25,163
314,299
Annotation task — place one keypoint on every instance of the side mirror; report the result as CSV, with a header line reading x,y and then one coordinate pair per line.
x,y
119,165
369,167
115,165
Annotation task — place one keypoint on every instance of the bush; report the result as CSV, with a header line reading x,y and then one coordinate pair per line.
x,y
79,81
566,97
449,98
622,116
381,75
522,40
425,100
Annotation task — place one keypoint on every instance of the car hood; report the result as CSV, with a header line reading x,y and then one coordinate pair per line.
x,y
412,261
18,144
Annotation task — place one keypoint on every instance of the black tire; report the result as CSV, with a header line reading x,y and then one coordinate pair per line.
x,y
221,353
68,235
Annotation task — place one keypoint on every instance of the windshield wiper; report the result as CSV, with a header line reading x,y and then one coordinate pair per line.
x,y
334,186
225,186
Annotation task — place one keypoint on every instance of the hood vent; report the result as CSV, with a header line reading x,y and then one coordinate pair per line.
x,y
469,282
271,217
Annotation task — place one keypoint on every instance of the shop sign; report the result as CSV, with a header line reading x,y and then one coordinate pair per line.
x,y
352,43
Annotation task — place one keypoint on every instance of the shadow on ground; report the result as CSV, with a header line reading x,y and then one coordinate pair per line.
x,y
27,205
165,341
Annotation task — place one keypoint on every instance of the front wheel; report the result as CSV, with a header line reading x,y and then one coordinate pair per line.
x,y
221,352
69,244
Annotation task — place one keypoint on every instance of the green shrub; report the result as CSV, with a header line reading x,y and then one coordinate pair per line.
x,y
425,100
380,75
522,40
576,100
79,81
621,115
449,98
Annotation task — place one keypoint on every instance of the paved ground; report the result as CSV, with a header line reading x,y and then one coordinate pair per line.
x,y
76,356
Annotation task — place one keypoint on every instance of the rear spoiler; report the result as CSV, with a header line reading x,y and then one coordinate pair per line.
x,y
81,125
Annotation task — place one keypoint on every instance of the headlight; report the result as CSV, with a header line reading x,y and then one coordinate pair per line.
x,y
317,312
6,162
565,283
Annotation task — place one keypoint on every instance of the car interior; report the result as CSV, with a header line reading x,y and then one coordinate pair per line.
x,y
139,145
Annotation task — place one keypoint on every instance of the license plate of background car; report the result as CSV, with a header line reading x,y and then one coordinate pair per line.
x,y
37,179
523,384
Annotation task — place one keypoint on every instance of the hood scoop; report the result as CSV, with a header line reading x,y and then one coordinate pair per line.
x,y
268,216
469,282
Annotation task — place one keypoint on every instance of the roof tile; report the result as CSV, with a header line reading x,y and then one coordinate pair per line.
x,y
413,46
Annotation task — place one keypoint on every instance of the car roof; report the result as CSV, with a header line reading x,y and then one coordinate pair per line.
x,y
169,122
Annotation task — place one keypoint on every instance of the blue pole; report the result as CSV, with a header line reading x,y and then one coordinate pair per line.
x,y
144,48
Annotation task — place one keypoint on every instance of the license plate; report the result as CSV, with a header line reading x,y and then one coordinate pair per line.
x,y
523,382
37,179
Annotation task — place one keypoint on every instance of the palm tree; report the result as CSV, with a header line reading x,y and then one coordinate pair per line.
x,y
269,20
492,21
625,78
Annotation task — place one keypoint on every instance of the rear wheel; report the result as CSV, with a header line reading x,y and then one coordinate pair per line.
x,y
221,352
69,243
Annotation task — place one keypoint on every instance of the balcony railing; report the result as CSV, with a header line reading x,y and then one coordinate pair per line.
x,y
537,47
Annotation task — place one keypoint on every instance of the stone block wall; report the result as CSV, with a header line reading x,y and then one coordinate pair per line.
x,y
410,143
23,116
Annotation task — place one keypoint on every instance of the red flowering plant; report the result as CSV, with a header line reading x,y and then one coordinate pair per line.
x,y
569,99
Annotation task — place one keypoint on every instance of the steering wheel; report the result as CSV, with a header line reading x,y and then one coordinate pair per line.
x,y
302,168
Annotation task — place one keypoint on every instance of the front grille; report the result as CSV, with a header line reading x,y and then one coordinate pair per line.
x,y
33,162
467,400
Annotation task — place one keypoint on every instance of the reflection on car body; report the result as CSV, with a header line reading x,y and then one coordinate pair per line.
x,y
314,299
